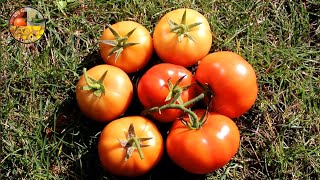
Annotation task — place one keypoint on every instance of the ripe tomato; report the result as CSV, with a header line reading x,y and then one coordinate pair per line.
x,y
232,80
17,14
153,89
116,98
130,58
206,149
19,22
116,154
195,41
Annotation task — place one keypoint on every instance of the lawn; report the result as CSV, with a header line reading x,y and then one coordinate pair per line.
x,y
45,136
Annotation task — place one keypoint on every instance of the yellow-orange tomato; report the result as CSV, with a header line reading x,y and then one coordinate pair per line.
x,y
112,154
131,58
188,51
116,98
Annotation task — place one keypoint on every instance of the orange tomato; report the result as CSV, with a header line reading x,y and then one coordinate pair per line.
x,y
18,14
131,58
120,156
111,103
19,22
195,41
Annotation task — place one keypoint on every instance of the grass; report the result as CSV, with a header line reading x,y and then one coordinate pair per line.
x,y
45,136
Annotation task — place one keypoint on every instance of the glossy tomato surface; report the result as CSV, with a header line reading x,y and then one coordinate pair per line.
x,y
153,89
132,58
206,149
232,80
187,52
112,155
116,99
20,22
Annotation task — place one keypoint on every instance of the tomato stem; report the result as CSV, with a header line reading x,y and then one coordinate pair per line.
x,y
133,142
119,43
176,106
195,121
182,29
196,99
175,91
96,86
136,143
89,82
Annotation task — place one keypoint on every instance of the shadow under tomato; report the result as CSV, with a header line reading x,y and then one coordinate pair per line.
x,y
80,136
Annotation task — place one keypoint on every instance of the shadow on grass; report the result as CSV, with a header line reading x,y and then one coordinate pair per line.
x,y
79,155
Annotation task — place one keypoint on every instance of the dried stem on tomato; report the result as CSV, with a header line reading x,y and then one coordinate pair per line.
x,y
133,142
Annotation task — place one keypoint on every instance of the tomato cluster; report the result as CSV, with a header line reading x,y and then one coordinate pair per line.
x,y
200,140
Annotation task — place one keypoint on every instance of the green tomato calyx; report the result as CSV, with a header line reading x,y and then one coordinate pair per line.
x,y
132,143
175,91
96,86
195,122
182,29
119,43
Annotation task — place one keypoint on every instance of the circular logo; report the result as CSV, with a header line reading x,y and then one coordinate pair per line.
x,y
27,25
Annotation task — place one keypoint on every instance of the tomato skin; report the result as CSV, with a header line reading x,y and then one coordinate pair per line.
x,y
115,101
187,52
132,58
112,154
19,22
206,149
153,89
232,80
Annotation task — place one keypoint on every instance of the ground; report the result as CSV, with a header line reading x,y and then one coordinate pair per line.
x,y
45,136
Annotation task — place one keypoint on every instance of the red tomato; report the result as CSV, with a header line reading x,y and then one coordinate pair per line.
x,y
20,22
153,89
206,149
17,14
232,80
131,58
114,156
116,98
188,51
